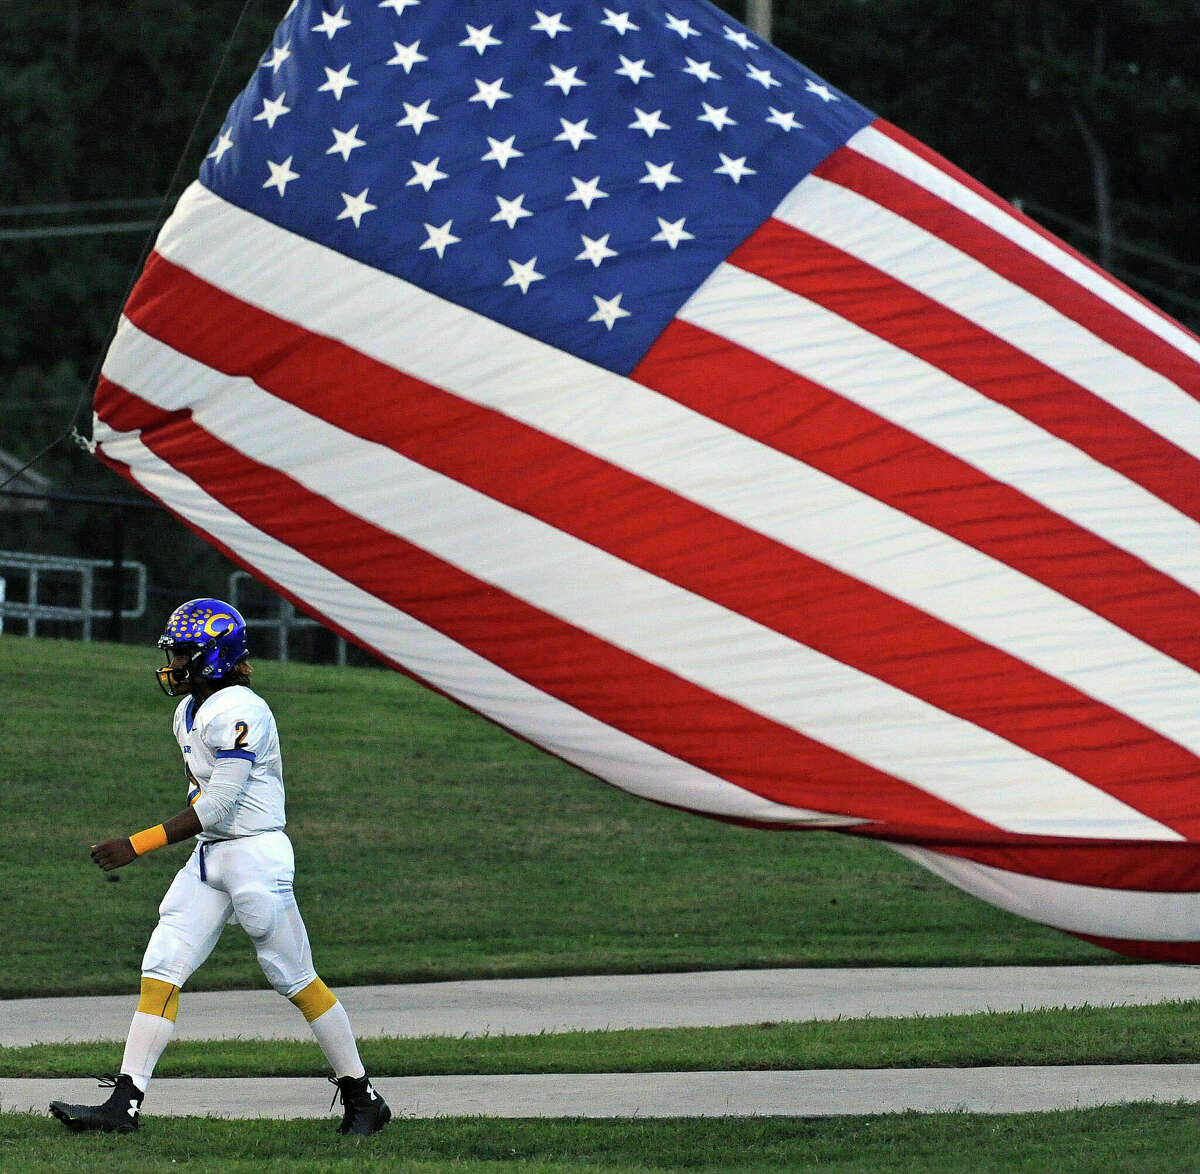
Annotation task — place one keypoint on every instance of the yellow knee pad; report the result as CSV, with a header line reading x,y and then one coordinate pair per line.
x,y
314,1000
159,998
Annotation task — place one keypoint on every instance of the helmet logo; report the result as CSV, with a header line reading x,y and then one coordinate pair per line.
x,y
209,630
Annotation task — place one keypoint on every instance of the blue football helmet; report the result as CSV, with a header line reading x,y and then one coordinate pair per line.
x,y
212,634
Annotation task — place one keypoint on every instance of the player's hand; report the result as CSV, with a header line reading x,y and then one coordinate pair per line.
x,y
113,854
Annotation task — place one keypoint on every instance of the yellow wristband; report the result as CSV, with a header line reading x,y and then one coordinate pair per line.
x,y
147,841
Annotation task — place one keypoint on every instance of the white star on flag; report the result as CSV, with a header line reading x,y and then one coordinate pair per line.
x,y
479,39
278,56
682,27
762,76
660,174
565,79
331,22
574,133
648,122
337,80
672,232
738,38
550,25
440,238
407,55
634,70
619,21
345,141
489,92
273,108
426,174
822,91
608,310
734,168
417,116
501,152
784,118
356,207
524,274
399,5
224,142
595,250
717,115
281,174
511,210
701,69
585,193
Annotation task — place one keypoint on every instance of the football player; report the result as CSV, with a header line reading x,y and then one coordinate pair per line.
x,y
240,871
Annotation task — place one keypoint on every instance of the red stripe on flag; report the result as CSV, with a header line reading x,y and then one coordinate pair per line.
x,y
760,399
688,545
908,319
1185,953
613,686
921,207
1160,866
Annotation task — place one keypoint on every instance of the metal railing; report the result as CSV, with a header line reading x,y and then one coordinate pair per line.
x,y
43,573
281,623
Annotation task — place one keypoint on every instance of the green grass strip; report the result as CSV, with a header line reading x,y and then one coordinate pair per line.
x,y
1161,1034
1141,1137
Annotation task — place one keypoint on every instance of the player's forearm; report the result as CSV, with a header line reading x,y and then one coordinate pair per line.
x,y
124,850
179,827
183,826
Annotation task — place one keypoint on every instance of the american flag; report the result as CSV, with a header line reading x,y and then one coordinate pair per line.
x,y
613,374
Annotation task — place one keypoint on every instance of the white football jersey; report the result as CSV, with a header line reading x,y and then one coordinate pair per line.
x,y
234,723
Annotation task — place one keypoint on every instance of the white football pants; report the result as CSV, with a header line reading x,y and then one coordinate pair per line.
x,y
248,880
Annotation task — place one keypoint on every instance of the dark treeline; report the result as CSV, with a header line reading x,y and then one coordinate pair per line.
x,y
1086,111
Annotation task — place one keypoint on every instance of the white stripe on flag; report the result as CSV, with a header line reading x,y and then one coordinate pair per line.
x,y
878,237
596,592
566,731
651,436
898,158
1085,909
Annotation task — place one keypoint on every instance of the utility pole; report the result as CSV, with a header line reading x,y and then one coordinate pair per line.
x,y
758,17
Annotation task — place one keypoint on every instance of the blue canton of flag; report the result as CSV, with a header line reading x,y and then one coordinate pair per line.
x,y
573,171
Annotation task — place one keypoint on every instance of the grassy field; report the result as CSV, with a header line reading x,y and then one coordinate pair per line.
x,y
1132,1139
430,845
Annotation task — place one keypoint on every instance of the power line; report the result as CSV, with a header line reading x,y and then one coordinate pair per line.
x,y
108,205
1152,287
1090,231
19,234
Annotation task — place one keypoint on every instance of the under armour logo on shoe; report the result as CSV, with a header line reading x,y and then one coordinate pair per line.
x,y
371,1093
133,1108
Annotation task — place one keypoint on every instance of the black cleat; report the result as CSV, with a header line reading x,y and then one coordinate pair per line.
x,y
118,1114
365,1110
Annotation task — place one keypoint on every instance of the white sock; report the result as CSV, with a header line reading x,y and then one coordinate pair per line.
x,y
148,1036
333,1033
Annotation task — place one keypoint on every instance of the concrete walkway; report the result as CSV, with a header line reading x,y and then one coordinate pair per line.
x,y
661,1094
616,1001
700,999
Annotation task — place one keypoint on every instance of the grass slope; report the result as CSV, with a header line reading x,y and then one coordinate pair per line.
x,y
430,845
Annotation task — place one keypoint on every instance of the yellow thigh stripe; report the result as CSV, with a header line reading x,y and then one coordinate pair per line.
x,y
314,1000
159,998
